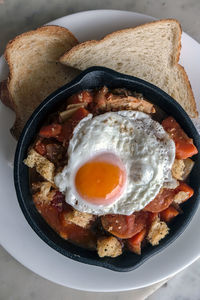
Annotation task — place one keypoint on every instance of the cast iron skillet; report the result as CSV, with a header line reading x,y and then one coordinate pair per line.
x,y
91,78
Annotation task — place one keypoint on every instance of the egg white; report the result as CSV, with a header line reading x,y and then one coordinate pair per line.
x,y
145,149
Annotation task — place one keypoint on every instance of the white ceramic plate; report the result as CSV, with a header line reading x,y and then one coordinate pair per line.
x,y
17,237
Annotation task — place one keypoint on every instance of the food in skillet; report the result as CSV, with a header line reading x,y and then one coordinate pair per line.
x,y
106,175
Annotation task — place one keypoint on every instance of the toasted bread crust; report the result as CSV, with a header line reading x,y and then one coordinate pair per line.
x,y
191,94
71,52
158,230
79,218
7,90
51,29
67,58
4,95
43,166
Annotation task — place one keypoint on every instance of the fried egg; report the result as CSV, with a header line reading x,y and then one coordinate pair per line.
x,y
117,163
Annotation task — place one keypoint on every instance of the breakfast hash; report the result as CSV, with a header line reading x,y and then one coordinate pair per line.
x,y
108,171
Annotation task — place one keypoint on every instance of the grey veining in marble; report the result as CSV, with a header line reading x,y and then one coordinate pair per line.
x,y
184,286
17,16
18,283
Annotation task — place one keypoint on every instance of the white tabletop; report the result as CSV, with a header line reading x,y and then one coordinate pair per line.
x,y
17,282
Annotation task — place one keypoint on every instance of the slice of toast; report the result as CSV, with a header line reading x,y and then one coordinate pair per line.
x,y
35,70
150,51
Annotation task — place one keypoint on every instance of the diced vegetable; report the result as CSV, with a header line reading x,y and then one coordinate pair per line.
x,y
169,213
161,202
78,115
82,97
50,131
40,147
184,145
119,225
76,105
66,133
134,243
79,235
66,114
184,187
70,124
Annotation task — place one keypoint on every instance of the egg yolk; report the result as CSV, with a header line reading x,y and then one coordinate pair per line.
x,y
100,182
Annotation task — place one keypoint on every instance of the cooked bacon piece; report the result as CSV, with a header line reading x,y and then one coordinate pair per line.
x,y
109,102
130,103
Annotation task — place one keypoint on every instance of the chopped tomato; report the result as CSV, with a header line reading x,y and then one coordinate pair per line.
x,y
82,97
169,213
184,145
49,213
54,212
78,235
78,115
161,202
70,124
66,132
119,225
134,243
40,147
50,131
184,187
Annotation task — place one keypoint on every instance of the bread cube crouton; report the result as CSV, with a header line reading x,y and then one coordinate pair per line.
x,y
157,232
182,168
109,246
44,193
178,169
43,166
79,218
189,164
181,197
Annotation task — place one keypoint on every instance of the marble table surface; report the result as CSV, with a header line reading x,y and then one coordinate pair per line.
x,y
17,16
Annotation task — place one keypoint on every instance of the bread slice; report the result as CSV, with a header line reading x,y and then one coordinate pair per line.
x,y
150,51
35,70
